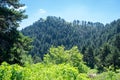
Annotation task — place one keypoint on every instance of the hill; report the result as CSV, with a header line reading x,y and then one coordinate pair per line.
x,y
56,31
91,38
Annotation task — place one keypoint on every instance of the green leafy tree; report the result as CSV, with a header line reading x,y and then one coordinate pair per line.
x,y
73,57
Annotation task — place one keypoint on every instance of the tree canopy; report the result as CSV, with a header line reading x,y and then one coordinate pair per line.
x,y
90,38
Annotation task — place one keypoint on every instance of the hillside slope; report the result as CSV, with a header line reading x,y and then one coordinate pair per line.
x,y
94,40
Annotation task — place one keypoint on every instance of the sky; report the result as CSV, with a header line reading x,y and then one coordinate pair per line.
x,y
104,11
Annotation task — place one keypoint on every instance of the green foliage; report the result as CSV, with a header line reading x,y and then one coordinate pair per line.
x,y
73,57
40,72
109,57
19,51
89,57
83,77
13,45
8,72
10,14
107,76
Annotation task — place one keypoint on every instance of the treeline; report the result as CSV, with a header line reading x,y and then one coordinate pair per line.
x,y
98,43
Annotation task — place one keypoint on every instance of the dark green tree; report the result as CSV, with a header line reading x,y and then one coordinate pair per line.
x,y
104,53
89,57
115,59
117,42
109,57
13,45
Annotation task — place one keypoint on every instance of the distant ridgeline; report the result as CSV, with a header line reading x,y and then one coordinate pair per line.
x,y
88,36
56,31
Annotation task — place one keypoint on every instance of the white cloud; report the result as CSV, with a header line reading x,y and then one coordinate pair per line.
x,y
23,8
42,11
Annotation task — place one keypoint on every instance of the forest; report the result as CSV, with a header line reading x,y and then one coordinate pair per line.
x,y
55,49
97,42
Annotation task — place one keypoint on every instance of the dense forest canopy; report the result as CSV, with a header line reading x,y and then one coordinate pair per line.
x,y
56,31
95,41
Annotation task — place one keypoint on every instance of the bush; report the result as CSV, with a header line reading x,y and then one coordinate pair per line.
x,y
40,71
108,76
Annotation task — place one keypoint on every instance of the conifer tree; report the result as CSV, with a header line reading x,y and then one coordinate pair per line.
x,y
13,45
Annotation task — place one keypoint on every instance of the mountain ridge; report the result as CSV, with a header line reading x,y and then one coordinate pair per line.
x,y
55,31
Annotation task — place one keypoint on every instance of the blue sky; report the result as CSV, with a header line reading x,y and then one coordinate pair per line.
x,y
103,11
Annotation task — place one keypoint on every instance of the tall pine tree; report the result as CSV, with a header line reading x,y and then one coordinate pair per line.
x,y
12,43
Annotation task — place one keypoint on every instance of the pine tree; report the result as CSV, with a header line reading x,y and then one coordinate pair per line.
x,y
13,45
89,57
